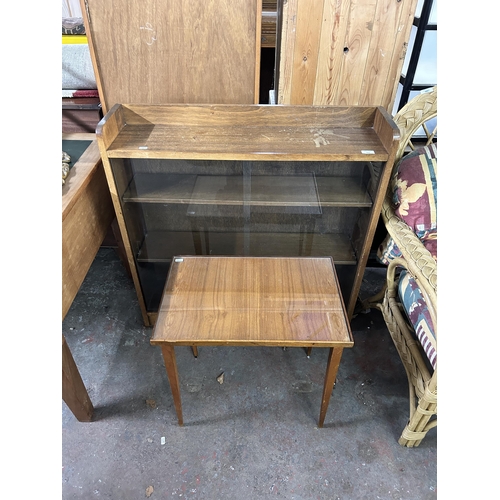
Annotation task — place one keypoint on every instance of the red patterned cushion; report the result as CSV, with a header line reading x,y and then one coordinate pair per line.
x,y
415,200
415,194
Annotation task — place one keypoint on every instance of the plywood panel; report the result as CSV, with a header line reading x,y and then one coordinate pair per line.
x,y
359,52
305,54
356,46
175,51
287,47
331,56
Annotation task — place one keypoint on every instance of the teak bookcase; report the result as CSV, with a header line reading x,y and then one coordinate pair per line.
x,y
246,180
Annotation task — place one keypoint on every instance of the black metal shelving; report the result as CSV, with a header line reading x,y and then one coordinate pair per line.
x,y
407,80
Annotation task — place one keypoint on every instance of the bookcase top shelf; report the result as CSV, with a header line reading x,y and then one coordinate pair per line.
x,y
248,132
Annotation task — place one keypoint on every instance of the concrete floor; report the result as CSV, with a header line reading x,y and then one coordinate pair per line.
x,y
254,436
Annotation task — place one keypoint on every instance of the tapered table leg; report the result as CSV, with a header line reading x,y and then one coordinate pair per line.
x,y
331,373
74,393
195,351
173,377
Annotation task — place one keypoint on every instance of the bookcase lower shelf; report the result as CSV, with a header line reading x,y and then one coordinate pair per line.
x,y
161,246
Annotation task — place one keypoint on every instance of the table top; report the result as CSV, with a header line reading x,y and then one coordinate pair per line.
x,y
280,301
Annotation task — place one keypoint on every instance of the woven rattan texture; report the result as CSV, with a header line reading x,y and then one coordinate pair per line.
x,y
412,116
422,266
412,247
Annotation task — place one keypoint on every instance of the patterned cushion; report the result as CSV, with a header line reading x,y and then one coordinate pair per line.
x,y
415,194
388,250
415,200
418,315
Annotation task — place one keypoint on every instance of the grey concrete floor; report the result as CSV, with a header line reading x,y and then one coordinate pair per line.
x,y
254,436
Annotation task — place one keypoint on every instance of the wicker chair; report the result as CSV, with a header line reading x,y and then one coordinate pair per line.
x,y
418,261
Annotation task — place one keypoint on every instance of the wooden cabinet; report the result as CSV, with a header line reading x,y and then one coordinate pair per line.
x,y
246,180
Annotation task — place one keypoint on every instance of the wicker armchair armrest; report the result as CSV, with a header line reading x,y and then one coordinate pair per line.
x,y
419,260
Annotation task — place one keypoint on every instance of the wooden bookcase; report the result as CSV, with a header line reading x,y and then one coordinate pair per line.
x,y
246,180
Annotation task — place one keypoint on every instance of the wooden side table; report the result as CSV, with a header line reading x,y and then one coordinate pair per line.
x,y
259,301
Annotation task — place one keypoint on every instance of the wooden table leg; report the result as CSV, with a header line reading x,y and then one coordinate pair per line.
x,y
74,392
195,350
173,377
331,374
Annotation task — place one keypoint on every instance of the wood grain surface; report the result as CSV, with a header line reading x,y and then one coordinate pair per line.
x,y
252,301
87,213
74,392
343,52
174,51
235,132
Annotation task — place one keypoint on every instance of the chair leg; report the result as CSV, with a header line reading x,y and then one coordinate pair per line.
x,y
420,423
425,408
374,300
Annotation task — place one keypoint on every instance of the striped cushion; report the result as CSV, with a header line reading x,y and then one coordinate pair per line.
x,y
388,250
418,315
